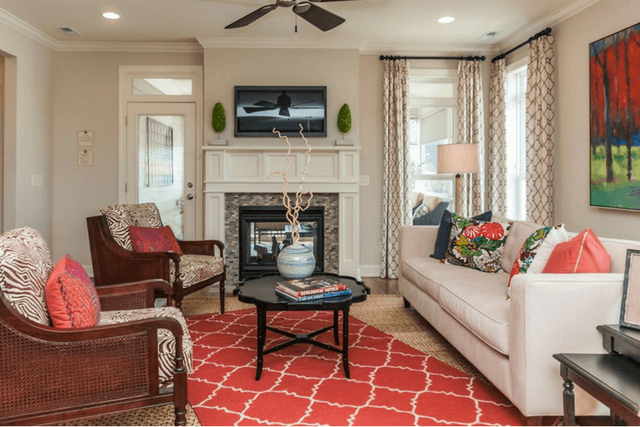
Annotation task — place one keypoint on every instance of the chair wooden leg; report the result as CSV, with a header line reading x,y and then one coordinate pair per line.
x,y
177,293
222,297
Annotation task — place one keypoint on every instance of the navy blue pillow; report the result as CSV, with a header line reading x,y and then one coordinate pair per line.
x,y
445,230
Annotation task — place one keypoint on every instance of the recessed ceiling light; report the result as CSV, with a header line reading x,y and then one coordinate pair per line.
x,y
111,15
446,19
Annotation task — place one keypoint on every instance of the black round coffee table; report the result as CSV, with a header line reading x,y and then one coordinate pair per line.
x,y
261,292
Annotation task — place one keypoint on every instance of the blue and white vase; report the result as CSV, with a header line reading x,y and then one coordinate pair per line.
x,y
296,261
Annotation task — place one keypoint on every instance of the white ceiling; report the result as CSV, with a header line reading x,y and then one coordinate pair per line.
x,y
405,26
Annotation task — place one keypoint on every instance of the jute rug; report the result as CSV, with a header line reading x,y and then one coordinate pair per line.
x,y
384,312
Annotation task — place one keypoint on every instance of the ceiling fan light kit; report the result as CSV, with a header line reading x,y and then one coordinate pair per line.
x,y
307,10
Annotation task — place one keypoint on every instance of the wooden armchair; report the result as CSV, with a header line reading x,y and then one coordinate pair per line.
x,y
113,262
49,375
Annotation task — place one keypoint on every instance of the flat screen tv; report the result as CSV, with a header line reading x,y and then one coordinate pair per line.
x,y
260,109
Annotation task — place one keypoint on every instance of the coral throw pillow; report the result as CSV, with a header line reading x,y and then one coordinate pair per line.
x,y
527,253
72,299
477,244
154,240
582,254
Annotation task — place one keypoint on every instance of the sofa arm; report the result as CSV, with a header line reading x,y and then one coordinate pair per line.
x,y
556,313
417,241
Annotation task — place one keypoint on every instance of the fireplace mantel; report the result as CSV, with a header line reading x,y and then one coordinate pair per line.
x,y
240,169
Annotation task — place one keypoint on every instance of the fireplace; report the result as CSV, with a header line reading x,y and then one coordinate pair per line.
x,y
265,231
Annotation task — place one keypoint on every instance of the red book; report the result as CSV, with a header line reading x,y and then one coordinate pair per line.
x,y
310,286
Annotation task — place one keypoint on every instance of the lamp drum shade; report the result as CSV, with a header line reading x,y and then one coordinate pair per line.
x,y
458,158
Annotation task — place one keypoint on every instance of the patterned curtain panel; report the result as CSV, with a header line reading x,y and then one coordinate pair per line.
x,y
540,131
471,131
496,147
396,198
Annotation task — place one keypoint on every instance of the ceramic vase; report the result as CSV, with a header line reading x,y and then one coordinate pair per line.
x,y
296,261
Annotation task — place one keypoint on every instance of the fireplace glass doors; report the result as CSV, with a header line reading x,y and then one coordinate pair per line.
x,y
265,231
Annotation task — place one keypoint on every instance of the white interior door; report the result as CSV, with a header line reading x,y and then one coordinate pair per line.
x,y
161,141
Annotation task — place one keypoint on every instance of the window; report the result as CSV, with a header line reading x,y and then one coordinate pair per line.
x,y
432,100
516,140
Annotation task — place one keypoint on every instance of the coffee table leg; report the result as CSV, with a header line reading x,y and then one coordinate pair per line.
x,y
568,398
262,335
336,332
345,341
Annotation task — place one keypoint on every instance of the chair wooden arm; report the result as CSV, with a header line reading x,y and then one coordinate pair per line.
x,y
129,296
201,247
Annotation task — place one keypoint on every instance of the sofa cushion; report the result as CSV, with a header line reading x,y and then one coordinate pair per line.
x,y
25,266
120,217
166,340
477,301
444,232
617,249
582,254
151,239
477,244
519,232
72,299
196,268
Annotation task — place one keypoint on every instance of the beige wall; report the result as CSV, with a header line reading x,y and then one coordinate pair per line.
x,y
86,98
571,153
29,122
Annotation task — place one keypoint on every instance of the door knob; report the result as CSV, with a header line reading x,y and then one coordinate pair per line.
x,y
190,184
189,196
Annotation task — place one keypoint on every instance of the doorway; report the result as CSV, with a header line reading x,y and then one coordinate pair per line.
x,y
161,153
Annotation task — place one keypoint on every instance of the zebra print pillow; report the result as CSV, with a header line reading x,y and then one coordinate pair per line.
x,y
25,266
120,217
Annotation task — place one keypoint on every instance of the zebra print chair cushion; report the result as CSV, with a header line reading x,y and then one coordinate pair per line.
x,y
25,266
196,268
166,340
120,217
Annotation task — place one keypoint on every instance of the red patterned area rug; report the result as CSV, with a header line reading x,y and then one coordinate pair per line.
x,y
391,383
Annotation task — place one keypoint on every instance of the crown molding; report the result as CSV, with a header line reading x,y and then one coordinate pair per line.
x,y
549,21
19,25
371,48
239,43
127,47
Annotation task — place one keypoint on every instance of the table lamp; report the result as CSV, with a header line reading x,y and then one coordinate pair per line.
x,y
458,159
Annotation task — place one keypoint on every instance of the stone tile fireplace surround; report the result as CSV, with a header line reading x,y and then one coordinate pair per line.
x,y
239,176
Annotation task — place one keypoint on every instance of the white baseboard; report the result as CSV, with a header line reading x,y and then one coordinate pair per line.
x,y
89,270
371,270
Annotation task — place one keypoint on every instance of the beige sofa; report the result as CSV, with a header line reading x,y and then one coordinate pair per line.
x,y
512,341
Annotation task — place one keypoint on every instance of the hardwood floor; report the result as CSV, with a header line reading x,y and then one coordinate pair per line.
x,y
382,286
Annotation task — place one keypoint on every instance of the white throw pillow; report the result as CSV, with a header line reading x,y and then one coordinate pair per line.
x,y
555,236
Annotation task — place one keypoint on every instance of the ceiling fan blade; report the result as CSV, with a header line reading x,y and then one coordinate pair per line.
x,y
253,16
321,18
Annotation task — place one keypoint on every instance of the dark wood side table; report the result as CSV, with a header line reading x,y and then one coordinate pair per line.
x,y
261,292
611,378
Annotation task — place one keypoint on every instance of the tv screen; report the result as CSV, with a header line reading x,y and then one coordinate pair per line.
x,y
260,109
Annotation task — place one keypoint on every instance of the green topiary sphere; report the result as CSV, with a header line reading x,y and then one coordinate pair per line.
x,y
344,119
218,118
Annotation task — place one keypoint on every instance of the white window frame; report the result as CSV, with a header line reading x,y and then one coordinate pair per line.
x,y
516,144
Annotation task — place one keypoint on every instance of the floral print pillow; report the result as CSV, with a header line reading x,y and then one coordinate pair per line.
x,y
477,244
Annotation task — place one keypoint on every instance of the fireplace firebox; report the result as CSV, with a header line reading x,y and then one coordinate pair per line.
x,y
265,231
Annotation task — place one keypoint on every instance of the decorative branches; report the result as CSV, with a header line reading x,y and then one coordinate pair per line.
x,y
294,209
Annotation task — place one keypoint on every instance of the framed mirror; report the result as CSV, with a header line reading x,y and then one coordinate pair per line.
x,y
630,312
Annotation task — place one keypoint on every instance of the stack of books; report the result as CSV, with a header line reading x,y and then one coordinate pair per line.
x,y
312,288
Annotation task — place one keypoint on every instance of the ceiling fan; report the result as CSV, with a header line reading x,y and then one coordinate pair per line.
x,y
315,15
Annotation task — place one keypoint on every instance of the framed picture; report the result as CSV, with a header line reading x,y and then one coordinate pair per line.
x,y
630,311
614,117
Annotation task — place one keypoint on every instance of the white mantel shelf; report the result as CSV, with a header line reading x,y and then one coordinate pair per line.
x,y
244,169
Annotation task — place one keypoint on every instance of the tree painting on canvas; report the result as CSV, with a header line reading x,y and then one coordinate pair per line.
x,y
614,69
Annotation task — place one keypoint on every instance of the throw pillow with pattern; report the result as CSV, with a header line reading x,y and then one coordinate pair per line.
x,y
149,239
527,253
72,299
477,244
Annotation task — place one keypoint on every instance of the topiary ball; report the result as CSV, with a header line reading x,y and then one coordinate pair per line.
x,y
218,118
344,119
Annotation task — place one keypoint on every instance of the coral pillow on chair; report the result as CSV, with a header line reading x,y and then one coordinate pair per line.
x,y
72,299
582,254
154,240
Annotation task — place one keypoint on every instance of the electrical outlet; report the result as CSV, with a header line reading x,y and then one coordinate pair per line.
x,y
364,180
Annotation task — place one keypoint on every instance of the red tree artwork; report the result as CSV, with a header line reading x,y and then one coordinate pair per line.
x,y
614,68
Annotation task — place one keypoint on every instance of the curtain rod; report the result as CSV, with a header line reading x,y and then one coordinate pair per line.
x,y
536,36
458,58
